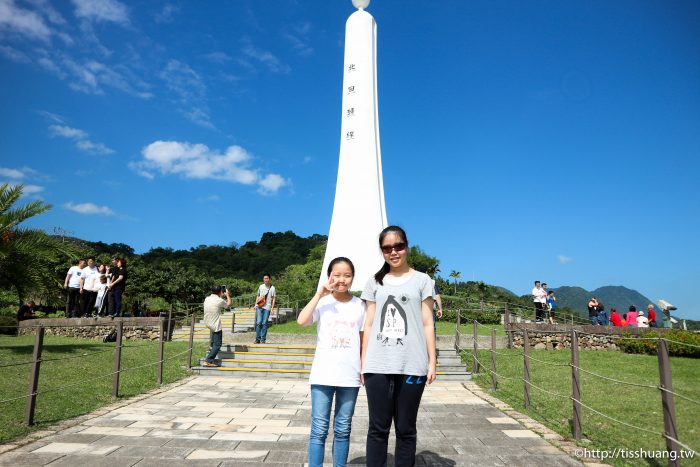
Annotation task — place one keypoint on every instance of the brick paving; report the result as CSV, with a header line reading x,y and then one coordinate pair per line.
x,y
229,421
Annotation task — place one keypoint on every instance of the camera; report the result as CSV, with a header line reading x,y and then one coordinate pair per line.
x,y
223,288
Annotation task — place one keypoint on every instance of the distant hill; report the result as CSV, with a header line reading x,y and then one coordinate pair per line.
x,y
612,296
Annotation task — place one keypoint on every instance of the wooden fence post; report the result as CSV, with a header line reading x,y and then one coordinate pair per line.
x,y
170,321
575,386
493,359
506,319
34,375
117,359
457,330
160,353
189,361
476,347
526,369
669,406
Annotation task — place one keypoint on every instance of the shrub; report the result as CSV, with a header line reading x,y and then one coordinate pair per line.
x,y
468,316
8,325
676,347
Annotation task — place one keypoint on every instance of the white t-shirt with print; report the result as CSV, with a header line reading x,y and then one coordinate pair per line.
x,y
263,291
75,274
337,358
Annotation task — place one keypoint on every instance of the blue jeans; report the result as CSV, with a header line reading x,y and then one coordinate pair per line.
x,y
603,318
261,317
215,346
321,400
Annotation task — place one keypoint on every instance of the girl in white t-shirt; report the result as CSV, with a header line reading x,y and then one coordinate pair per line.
x,y
336,367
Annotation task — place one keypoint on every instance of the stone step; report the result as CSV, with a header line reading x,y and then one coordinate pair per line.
x,y
251,372
260,364
306,357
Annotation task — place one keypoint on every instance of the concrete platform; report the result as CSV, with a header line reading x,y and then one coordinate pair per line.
x,y
234,421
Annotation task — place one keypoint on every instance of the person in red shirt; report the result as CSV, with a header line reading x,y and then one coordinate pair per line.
x,y
652,316
615,317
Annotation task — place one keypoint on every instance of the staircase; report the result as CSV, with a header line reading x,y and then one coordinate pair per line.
x,y
262,360
294,362
245,322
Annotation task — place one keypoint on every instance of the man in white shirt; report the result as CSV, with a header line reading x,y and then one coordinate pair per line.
x,y
214,304
264,303
89,285
72,285
539,297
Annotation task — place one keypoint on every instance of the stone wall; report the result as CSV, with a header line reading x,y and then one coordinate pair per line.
x,y
558,337
97,329
549,341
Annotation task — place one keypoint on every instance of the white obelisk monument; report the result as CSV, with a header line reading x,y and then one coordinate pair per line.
x,y
359,213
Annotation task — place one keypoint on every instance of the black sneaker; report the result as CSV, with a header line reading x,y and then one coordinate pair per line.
x,y
256,341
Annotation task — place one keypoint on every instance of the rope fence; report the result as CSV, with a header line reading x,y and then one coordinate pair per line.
x,y
665,387
37,360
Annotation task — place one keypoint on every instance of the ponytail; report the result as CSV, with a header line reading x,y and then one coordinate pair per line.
x,y
379,276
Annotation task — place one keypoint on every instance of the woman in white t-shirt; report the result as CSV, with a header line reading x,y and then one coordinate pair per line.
x,y
336,367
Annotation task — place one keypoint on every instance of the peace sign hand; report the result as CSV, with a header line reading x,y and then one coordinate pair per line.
x,y
327,288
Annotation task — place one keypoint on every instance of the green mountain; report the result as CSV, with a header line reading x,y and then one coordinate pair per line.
x,y
612,296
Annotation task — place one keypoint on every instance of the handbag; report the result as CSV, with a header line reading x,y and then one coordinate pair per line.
x,y
263,300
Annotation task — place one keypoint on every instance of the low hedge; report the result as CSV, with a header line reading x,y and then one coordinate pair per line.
x,y
483,317
676,347
8,325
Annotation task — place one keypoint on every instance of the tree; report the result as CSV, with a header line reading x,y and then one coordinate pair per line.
x,y
455,275
27,256
423,262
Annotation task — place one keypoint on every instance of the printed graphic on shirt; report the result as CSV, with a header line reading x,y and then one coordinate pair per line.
x,y
393,326
343,332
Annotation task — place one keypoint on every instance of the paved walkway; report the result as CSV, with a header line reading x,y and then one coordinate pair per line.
x,y
213,421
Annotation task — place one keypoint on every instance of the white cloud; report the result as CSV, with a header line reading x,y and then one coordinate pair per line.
x,y
14,54
81,139
268,59
190,92
102,10
166,15
32,189
564,259
271,183
299,39
197,161
88,208
11,173
218,57
45,8
22,173
23,22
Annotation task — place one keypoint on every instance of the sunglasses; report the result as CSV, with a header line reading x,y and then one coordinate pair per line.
x,y
396,246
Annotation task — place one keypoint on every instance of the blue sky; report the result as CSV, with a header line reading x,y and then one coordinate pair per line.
x,y
520,140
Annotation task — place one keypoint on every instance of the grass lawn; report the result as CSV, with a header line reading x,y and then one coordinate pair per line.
x,y
636,406
84,397
443,329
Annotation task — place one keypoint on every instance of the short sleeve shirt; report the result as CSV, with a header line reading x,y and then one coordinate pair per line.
x,y
75,275
213,306
337,358
397,343
262,291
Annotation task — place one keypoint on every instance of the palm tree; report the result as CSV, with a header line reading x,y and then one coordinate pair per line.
x,y
26,255
455,275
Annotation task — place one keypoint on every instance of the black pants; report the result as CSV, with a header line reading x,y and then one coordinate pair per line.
x,y
114,301
72,302
539,311
392,397
88,302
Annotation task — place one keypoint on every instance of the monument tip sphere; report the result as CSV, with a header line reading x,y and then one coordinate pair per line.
x,y
360,4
